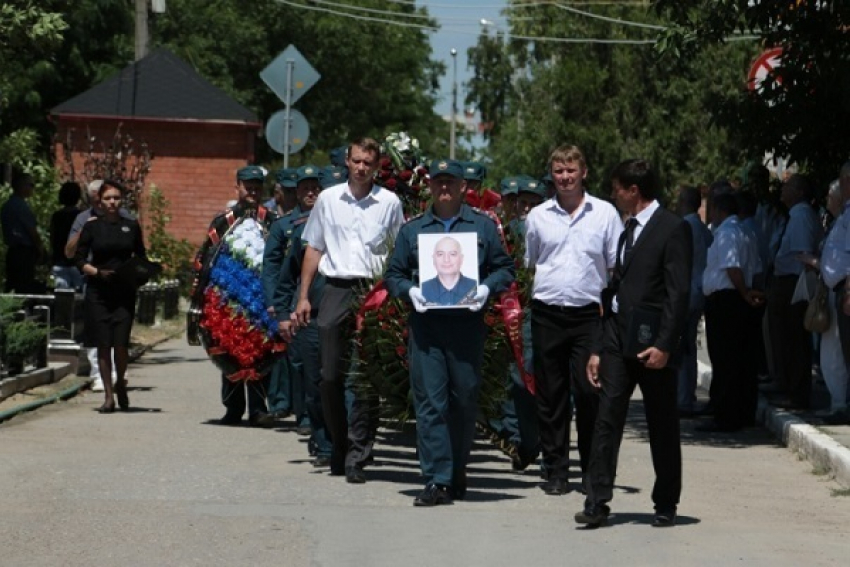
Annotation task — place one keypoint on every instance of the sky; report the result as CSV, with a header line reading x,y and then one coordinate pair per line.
x,y
460,25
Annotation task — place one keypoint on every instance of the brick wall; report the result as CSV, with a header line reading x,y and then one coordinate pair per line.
x,y
194,163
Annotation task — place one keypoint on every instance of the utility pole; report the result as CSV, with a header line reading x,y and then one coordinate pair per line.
x,y
141,28
453,129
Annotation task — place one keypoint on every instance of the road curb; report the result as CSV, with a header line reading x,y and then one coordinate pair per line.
x,y
822,451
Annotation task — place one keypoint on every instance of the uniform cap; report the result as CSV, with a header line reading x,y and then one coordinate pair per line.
x,y
332,175
287,177
509,185
532,186
446,167
250,173
306,172
474,171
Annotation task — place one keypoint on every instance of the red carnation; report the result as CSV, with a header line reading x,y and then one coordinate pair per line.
x,y
386,163
390,183
406,175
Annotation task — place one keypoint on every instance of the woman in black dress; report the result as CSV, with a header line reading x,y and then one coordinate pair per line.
x,y
106,243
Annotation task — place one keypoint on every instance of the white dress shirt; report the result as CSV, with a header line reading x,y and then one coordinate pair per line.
x,y
642,218
835,259
803,234
353,235
571,254
732,248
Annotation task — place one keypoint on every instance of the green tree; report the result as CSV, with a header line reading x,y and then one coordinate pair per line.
x,y
376,78
613,100
803,109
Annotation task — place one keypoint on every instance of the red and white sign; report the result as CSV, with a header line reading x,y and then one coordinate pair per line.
x,y
764,66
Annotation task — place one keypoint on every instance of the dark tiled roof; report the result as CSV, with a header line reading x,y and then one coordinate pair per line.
x,y
160,85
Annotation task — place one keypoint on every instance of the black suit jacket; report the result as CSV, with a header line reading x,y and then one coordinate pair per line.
x,y
657,275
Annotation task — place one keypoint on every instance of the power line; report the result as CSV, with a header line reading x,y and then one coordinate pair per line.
x,y
431,28
466,32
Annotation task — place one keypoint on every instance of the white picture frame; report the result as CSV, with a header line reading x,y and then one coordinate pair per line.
x,y
455,284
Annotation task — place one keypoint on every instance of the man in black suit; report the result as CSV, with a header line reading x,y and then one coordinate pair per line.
x,y
648,306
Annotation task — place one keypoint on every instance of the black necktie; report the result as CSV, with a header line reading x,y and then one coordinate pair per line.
x,y
630,238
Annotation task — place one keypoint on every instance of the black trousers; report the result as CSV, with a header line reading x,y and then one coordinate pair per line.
x,y
790,342
352,435
619,376
733,330
562,340
233,396
843,324
20,270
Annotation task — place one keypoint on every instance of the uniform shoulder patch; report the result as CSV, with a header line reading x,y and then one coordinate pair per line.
x,y
414,217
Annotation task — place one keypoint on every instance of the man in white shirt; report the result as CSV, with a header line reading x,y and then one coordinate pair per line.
x,y
348,239
835,267
731,318
790,343
571,245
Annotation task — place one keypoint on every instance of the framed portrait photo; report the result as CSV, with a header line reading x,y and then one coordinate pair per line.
x,y
448,269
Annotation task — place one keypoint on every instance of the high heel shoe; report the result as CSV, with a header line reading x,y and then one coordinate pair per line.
x,y
121,395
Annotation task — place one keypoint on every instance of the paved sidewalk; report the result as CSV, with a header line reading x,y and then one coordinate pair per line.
x,y
826,447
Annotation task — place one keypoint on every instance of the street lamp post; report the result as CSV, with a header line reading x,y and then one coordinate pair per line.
x,y
453,128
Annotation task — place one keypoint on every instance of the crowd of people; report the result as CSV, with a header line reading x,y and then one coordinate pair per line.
x,y
90,251
618,289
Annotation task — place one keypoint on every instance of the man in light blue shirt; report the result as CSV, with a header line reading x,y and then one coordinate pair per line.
x,y
790,343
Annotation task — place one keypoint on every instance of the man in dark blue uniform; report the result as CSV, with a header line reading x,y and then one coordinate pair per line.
x,y
304,345
286,392
283,196
249,184
446,346
449,286
516,429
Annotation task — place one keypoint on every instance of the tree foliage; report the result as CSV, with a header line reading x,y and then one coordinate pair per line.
x,y
375,78
802,111
615,101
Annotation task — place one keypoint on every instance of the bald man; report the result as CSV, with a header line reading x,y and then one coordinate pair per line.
x,y
450,286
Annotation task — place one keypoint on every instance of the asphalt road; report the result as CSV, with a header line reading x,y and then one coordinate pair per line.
x,y
164,485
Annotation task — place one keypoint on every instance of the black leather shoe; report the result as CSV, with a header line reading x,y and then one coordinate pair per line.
x,y
321,462
433,495
555,486
665,519
230,419
521,460
458,489
261,419
593,515
355,475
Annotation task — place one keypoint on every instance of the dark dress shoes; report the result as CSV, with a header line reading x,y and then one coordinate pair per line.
x,y
593,515
555,486
433,495
458,489
230,419
321,462
355,475
664,519
261,419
